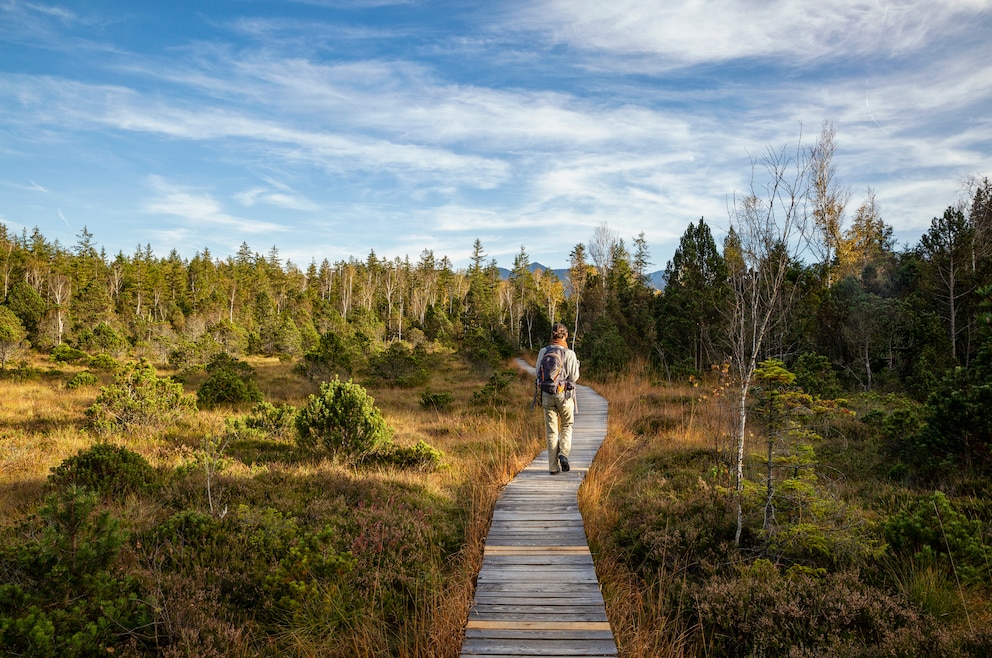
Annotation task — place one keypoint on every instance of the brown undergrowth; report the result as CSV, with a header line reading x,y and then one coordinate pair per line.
x,y
659,513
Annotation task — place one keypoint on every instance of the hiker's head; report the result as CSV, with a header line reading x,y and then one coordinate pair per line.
x,y
559,331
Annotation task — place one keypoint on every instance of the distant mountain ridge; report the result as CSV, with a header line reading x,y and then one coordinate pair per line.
x,y
656,279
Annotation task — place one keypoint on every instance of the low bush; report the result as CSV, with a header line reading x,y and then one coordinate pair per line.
x,y
931,531
139,398
495,390
277,421
440,401
230,382
21,372
956,434
647,537
65,354
342,418
103,338
421,456
104,363
189,355
485,348
63,594
109,470
762,612
81,380
334,355
398,365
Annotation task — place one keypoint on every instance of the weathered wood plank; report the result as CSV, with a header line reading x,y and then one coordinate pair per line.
x,y
514,599
537,593
491,646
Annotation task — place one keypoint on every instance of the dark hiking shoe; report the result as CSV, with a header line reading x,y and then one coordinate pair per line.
x,y
563,461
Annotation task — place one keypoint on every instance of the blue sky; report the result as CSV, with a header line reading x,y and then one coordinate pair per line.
x,y
330,128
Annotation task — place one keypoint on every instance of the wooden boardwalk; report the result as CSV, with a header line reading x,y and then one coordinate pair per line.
x,y
537,592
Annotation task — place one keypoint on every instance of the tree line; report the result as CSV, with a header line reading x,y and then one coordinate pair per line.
x,y
837,299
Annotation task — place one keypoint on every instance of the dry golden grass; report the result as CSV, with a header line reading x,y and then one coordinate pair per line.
x,y
42,423
645,417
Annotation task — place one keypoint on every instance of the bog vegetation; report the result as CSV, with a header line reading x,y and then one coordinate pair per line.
x,y
244,456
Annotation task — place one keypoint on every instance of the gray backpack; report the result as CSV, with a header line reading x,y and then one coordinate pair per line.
x,y
551,370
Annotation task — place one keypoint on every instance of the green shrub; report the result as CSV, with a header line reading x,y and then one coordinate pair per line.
x,y
224,361
646,536
494,391
66,354
816,376
109,470
422,456
61,593
194,355
230,382
139,398
484,347
343,418
102,338
12,336
439,401
931,531
398,365
957,431
606,351
189,528
104,363
21,372
334,355
227,336
307,582
272,420
81,379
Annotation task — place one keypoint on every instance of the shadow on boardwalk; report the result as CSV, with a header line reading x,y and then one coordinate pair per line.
x,y
537,593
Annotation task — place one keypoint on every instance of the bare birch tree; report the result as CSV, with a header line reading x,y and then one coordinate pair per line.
x,y
771,225
828,198
602,247
578,272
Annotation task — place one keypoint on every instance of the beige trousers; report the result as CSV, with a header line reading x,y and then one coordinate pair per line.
x,y
559,414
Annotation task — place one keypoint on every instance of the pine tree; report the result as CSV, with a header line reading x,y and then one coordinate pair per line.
x,y
690,309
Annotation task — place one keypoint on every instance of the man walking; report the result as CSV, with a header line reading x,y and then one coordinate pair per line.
x,y
557,372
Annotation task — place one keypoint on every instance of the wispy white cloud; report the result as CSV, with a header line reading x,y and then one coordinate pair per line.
x,y
30,187
689,33
200,209
639,113
281,197
124,109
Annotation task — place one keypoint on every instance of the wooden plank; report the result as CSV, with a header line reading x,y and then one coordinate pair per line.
x,y
493,646
515,599
560,629
549,550
538,634
537,593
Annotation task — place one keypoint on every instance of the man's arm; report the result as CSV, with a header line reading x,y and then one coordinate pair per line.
x,y
572,367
